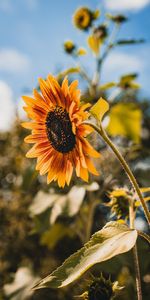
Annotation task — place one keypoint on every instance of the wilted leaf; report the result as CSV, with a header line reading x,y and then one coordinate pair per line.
x,y
99,109
112,240
20,288
41,202
125,120
94,186
68,204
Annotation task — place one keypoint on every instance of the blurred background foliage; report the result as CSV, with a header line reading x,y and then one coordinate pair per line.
x,y
40,224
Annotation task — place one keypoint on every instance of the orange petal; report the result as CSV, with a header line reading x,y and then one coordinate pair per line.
x,y
35,138
84,174
65,87
31,125
69,171
91,167
48,96
88,149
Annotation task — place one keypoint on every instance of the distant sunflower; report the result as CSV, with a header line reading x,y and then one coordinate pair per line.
x,y
58,131
83,18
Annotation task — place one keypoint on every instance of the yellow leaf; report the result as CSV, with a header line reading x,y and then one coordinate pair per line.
x,y
128,77
99,109
94,44
68,71
107,86
125,120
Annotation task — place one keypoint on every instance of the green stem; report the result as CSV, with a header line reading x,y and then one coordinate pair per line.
x,y
126,168
135,254
100,60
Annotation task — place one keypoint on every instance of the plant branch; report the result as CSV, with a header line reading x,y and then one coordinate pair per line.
x,y
125,166
101,59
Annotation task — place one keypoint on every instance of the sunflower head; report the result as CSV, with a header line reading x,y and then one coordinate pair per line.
x,y
83,18
69,47
101,288
119,203
58,132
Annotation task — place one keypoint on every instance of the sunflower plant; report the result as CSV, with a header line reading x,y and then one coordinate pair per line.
x,y
64,127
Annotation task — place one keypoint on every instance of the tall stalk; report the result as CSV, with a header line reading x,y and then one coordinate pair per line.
x,y
125,166
135,254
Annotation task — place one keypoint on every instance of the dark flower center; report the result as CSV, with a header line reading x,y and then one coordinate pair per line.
x,y
59,130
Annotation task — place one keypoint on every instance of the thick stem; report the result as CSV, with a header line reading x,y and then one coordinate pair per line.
x,y
126,168
135,254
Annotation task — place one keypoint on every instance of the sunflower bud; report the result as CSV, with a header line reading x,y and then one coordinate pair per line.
x,y
119,203
84,17
102,288
69,47
100,32
117,19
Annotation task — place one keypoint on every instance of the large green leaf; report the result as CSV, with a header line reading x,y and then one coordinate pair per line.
x,y
112,240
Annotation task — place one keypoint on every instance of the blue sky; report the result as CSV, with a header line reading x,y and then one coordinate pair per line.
x,y
32,33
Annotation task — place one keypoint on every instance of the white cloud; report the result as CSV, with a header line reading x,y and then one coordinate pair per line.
x,y
11,61
119,63
7,106
119,5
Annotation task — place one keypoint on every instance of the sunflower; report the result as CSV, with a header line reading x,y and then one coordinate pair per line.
x,y
58,131
83,18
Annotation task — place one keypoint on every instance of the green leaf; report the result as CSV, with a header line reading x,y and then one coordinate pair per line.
x,y
99,109
110,241
129,42
125,120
